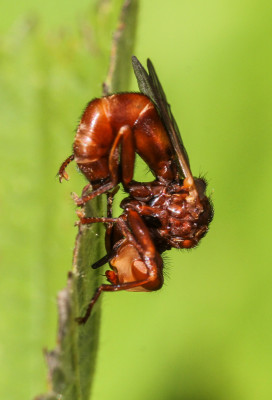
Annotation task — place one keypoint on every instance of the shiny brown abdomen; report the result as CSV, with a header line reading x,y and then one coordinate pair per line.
x,y
100,124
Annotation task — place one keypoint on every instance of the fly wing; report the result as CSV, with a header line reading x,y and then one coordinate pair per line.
x,y
143,80
150,85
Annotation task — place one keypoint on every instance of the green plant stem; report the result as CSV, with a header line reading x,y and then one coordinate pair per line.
x,y
71,364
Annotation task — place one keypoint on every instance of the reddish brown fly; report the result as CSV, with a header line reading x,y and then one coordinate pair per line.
x,y
171,211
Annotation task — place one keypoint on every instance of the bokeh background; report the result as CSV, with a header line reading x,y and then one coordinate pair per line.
x,y
207,334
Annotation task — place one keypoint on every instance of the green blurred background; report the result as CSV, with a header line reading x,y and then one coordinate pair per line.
x,y
207,334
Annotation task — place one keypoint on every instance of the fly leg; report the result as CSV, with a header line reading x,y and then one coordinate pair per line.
x,y
111,234
108,235
124,138
108,288
110,197
62,173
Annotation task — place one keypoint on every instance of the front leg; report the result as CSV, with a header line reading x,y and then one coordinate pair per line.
x,y
62,173
80,201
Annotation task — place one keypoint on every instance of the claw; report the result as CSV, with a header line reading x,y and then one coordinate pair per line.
x,y
77,199
64,175
80,214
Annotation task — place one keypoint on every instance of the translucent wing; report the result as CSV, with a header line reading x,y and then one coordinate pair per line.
x,y
149,85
